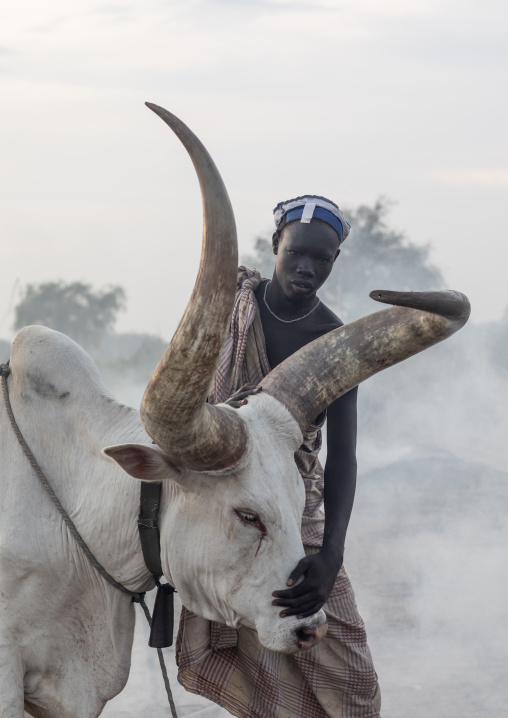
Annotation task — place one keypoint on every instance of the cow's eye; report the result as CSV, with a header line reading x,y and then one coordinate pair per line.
x,y
249,517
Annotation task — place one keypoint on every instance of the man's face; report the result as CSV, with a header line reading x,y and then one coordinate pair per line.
x,y
305,257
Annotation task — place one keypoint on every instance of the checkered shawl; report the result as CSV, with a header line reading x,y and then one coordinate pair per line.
x,y
336,678
243,358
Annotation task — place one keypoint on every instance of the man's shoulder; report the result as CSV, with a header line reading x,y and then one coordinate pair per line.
x,y
246,277
327,318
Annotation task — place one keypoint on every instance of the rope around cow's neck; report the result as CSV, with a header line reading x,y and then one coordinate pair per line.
x,y
136,597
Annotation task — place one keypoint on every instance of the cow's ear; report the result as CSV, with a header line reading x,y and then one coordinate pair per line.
x,y
148,463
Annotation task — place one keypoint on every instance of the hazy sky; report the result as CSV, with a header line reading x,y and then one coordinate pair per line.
x,y
352,99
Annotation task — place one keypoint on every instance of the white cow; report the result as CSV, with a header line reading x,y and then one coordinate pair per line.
x,y
232,497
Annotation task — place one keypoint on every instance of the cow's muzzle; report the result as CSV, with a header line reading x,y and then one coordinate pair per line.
x,y
310,637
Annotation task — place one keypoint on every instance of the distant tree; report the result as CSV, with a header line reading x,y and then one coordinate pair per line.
x,y
373,257
262,258
75,309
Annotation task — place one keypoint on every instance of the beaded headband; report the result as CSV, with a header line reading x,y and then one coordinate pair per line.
x,y
310,206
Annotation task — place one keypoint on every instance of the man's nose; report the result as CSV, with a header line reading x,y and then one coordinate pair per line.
x,y
306,268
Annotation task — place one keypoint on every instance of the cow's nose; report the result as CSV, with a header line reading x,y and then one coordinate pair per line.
x,y
308,637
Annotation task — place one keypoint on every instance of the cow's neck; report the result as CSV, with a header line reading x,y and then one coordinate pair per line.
x,y
101,499
114,508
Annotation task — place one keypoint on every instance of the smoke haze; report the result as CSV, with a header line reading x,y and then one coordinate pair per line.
x,y
427,547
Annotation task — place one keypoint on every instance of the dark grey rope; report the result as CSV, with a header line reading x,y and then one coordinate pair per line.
x,y
136,597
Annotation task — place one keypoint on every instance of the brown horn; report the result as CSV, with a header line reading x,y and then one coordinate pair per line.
x,y
312,378
174,409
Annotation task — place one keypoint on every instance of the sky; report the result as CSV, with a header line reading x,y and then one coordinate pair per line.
x,y
351,99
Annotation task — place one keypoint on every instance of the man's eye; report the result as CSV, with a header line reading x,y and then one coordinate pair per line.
x,y
292,251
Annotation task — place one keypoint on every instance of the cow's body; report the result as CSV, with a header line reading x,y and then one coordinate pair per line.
x,y
66,634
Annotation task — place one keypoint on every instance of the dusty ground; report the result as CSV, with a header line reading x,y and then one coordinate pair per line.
x,y
145,693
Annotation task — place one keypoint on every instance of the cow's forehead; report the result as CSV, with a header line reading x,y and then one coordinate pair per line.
x,y
266,480
268,421
274,436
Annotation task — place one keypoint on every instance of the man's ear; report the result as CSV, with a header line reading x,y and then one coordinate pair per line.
x,y
148,463
275,241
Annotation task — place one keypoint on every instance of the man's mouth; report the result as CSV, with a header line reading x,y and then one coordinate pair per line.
x,y
302,284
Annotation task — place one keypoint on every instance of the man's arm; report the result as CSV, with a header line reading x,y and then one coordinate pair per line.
x,y
320,570
340,474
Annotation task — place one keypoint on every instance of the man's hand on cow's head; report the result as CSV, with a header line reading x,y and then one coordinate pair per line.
x,y
239,398
319,573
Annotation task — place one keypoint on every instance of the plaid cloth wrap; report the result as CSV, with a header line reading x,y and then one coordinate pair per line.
x,y
336,678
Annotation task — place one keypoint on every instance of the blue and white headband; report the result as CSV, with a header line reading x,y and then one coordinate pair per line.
x,y
311,206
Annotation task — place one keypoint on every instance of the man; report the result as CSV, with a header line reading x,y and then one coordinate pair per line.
x,y
272,320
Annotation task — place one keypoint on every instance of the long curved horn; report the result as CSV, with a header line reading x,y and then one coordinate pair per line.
x,y
174,409
312,378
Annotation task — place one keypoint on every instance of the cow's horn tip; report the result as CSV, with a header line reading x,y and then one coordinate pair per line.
x,y
380,295
159,111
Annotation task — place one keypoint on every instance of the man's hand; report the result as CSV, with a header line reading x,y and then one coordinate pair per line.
x,y
239,398
319,572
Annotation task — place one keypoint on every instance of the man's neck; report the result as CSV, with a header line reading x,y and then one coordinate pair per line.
x,y
284,307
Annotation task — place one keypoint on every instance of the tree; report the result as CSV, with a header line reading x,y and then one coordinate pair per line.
x,y
373,257
263,258
74,309
376,257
